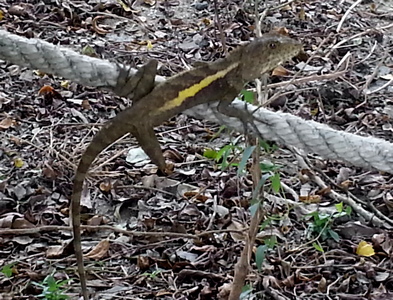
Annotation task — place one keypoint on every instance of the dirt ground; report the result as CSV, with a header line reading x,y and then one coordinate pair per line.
x,y
310,245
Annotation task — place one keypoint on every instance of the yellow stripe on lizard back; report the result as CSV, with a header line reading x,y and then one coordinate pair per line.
x,y
194,89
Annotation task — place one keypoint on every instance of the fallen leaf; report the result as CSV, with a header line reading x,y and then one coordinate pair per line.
x,y
365,249
99,251
18,162
105,186
280,71
6,123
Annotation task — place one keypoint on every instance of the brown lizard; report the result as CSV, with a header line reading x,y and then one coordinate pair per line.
x,y
221,80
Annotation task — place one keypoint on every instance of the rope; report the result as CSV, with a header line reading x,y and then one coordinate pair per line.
x,y
51,59
309,136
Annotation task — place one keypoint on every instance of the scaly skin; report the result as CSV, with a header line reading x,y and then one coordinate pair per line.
x,y
220,80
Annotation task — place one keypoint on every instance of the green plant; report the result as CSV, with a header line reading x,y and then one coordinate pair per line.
x,y
153,274
52,289
321,224
8,270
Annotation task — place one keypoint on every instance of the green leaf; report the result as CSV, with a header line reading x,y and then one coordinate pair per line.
x,y
210,153
246,155
222,128
318,247
271,242
254,208
265,223
225,155
246,290
269,148
261,182
248,96
260,256
334,235
348,210
339,207
268,167
7,270
276,182
222,151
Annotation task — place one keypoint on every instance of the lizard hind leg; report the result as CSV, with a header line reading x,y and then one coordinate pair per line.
x,y
149,143
138,85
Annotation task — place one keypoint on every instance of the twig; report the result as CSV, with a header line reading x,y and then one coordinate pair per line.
x,y
374,74
242,266
222,36
380,88
51,228
346,15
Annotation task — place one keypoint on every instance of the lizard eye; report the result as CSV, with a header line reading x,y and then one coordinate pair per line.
x,y
272,45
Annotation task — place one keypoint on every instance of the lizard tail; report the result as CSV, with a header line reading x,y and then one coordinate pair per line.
x,y
102,140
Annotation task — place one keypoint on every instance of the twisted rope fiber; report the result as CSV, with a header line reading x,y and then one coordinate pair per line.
x,y
283,128
51,59
309,136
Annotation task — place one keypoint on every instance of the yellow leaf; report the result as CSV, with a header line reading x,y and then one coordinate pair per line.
x,y
89,51
18,162
365,249
124,6
65,84
1,15
149,45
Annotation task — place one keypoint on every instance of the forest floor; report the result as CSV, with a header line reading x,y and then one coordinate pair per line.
x,y
314,246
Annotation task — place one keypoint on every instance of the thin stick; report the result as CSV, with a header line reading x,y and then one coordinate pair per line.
x,y
346,15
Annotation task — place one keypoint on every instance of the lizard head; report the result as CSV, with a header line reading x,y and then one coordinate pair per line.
x,y
265,53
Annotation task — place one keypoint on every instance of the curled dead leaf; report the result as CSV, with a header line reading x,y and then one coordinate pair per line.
x,y
99,251
235,225
105,186
98,29
280,71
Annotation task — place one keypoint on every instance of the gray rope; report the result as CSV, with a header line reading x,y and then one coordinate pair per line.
x,y
51,59
286,129
309,136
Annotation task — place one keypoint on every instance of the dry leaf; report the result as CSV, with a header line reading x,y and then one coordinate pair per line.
x,y
206,21
150,2
143,262
6,123
235,225
280,71
86,104
310,199
105,186
302,14
46,89
124,6
99,251
97,28
365,249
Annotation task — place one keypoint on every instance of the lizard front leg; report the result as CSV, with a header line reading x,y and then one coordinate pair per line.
x,y
244,116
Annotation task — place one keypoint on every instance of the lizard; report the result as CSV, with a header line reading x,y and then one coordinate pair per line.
x,y
221,80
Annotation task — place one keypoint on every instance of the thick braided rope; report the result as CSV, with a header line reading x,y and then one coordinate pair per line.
x,y
286,129
51,59
309,136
